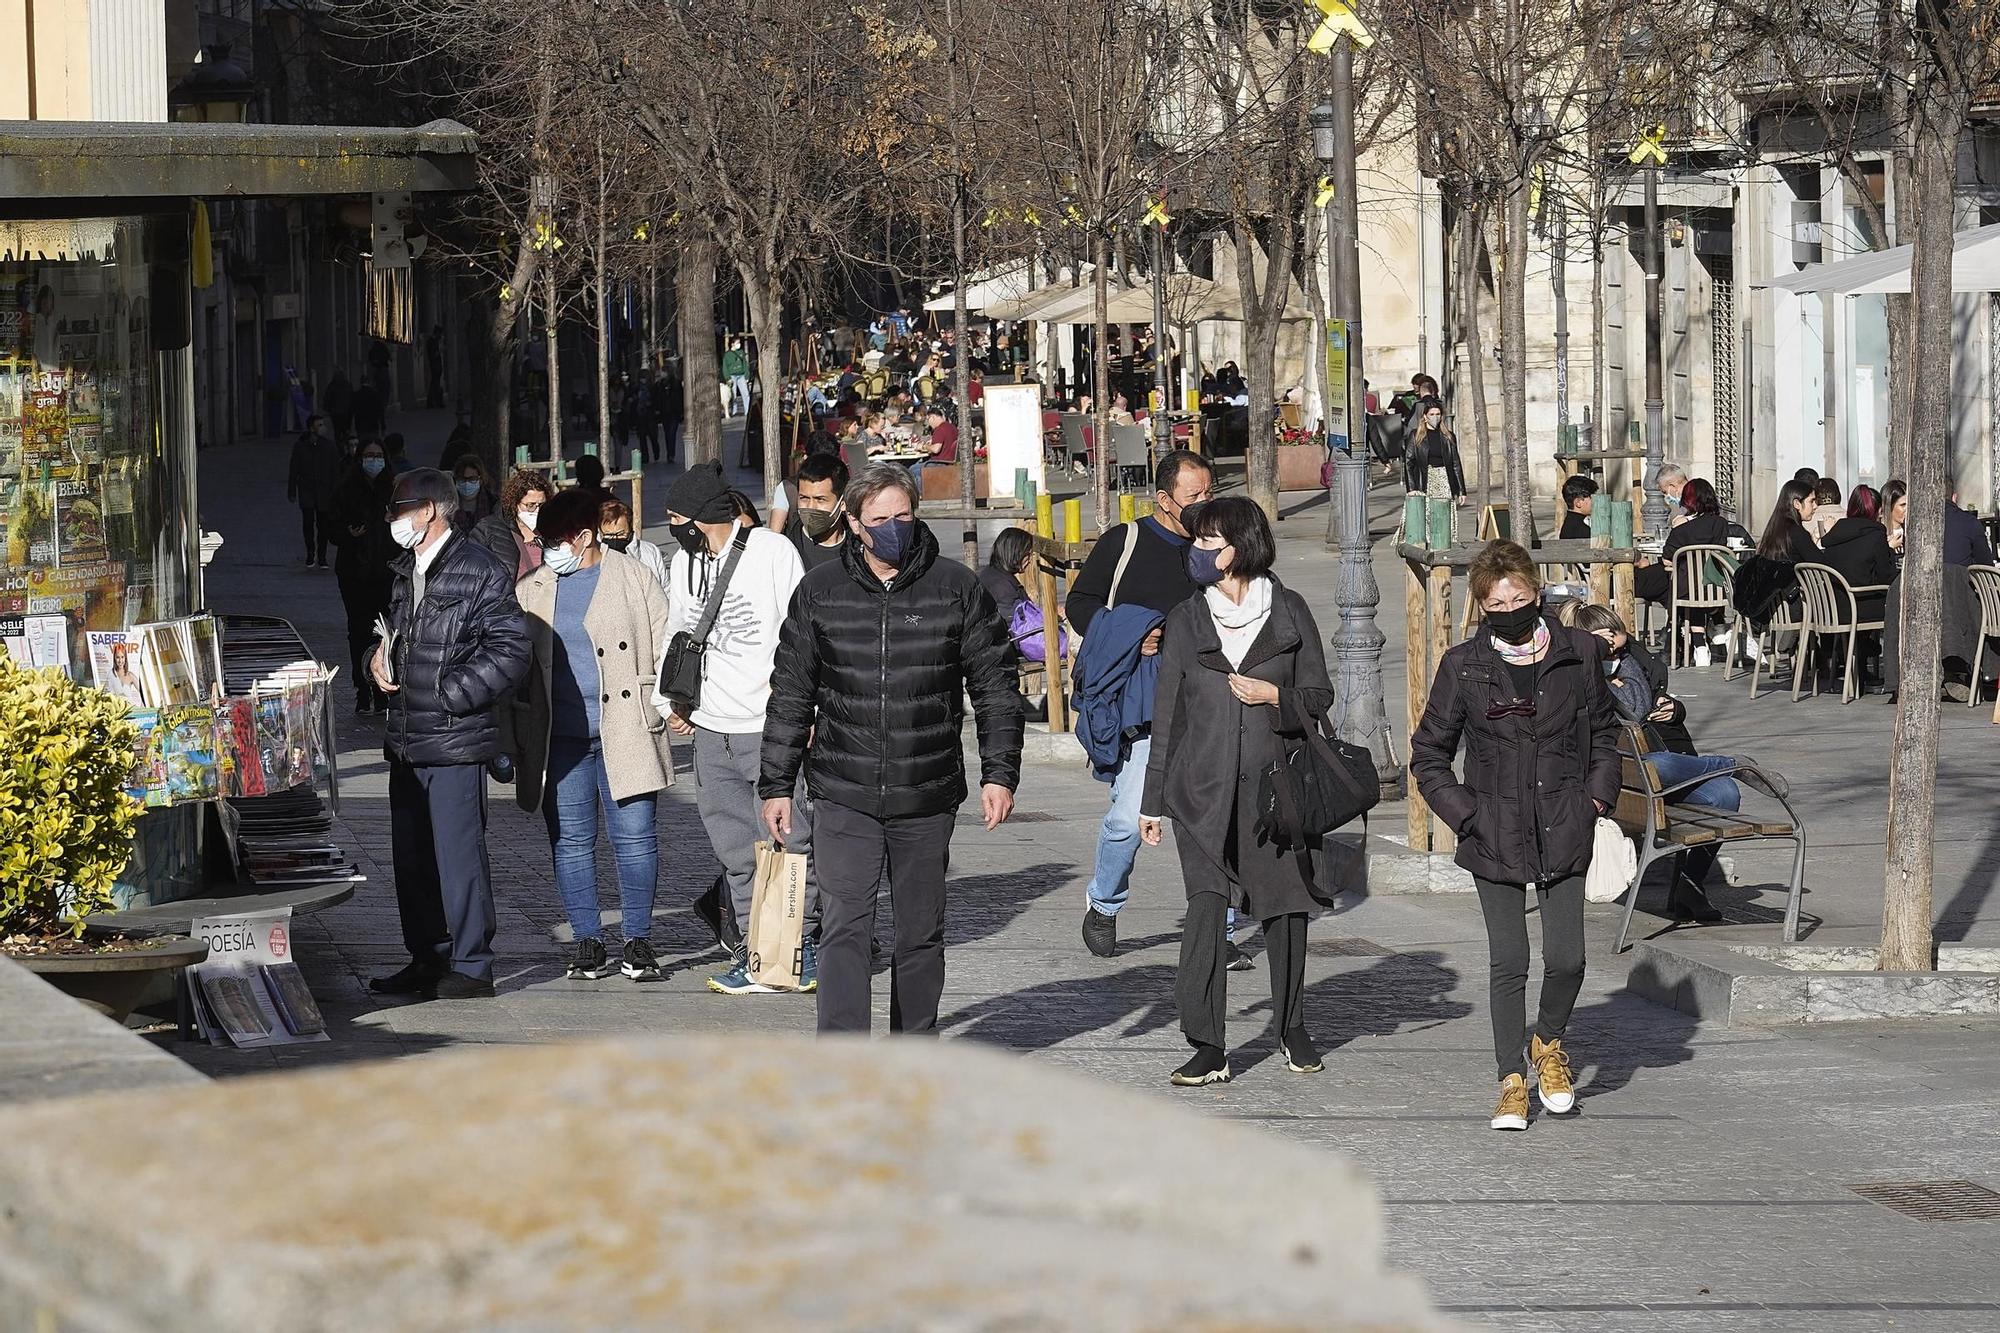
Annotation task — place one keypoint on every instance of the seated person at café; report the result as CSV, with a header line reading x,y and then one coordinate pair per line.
x,y
1577,494
1638,684
1699,523
940,444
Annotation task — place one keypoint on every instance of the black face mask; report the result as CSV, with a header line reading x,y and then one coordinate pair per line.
x,y
689,536
1516,626
618,543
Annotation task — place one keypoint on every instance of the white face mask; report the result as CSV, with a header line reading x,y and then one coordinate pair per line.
x,y
562,560
407,532
529,517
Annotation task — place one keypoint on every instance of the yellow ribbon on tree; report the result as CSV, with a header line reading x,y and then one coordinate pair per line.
x,y
1323,192
545,236
1156,213
1651,148
640,232
1337,20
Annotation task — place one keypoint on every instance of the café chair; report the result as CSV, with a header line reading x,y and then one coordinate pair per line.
x,y
1831,611
1985,587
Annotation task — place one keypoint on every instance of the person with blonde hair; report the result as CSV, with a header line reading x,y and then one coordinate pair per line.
x,y
1526,698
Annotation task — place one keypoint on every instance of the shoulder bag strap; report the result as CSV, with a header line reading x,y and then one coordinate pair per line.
x,y
1124,559
713,608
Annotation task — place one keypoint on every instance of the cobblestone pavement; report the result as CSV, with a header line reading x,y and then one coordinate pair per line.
x,y
1703,1184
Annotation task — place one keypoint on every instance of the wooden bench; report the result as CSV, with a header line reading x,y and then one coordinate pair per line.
x,y
1648,811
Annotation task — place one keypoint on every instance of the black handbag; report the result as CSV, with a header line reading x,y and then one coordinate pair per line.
x,y
680,667
1314,787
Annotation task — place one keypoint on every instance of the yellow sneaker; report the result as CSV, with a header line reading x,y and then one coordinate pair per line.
x,y
1552,1081
1512,1112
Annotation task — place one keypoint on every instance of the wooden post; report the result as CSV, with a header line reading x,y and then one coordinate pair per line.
x,y
1072,521
1052,662
1626,579
1416,684
1438,631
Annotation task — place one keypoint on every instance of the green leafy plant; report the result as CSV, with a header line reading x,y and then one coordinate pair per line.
x,y
65,818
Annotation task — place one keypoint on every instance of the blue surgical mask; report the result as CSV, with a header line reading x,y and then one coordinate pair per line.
x,y
468,489
891,540
563,560
1201,566
372,467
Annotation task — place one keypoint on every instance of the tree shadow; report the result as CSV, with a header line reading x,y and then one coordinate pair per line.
x,y
1612,1040
1395,993
980,906
1045,1015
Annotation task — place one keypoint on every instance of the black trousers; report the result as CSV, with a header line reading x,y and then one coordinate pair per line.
x,y
850,850
1505,908
1201,989
318,527
363,599
444,884
1653,583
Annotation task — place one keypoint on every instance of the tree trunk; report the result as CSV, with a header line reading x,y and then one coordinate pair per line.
x,y
551,346
701,375
1100,381
493,363
1906,887
1903,186
1514,364
600,245
1260,353
961,373
763,293
1596,438
1470,226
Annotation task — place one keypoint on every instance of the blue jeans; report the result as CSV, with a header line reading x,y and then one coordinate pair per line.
x,y
1720,793
1118,837
575,788
739,392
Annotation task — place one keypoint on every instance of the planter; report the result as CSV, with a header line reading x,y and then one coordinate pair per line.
x,y
941,481
1298,466
114,982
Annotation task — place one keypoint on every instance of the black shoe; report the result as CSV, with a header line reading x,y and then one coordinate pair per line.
x,y
1239,961
1100,932
640,964
1208,1065
590,962
1687,902
419,978
458,986
717,913
1301,1056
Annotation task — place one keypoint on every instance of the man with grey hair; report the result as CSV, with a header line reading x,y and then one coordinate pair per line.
x,y
1653,581
455,644
876,655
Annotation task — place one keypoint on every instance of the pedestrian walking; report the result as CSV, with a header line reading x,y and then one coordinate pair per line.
x,y
813,524
1242,679
729,584
735,379
586,733
456,645
1431,466
317,464
476,499
361,563
615,530
338,400
509,531
670,400
1140,564
874,661
1528,699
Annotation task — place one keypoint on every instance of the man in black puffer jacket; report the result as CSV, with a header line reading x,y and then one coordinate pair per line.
x,y
457,645
874,658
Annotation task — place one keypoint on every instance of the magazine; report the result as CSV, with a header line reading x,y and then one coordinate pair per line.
x,y
204,644
187,750
148,780
236,737
299,733
295,1002
48,640
164,665
114,664
272,747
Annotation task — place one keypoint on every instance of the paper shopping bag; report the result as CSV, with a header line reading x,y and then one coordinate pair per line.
x,y
778,918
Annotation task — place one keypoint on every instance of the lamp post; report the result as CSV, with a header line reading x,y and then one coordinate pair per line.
x,y
1360,716
1653,510
216,90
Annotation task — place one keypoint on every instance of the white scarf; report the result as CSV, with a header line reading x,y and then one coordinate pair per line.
x,y
1237,624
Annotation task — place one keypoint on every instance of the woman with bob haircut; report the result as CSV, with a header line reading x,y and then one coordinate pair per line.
x,y
1527,698
1242,677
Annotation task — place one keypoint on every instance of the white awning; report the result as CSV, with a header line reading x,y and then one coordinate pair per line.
x,y
1975,267
1007,282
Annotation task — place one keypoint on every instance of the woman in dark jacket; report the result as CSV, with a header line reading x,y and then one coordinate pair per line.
x,y
1241,665
1431,464
1527,697
509,531
1785,536
361,561
1857,547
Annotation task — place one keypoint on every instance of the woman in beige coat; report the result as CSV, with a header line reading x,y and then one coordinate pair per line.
x,y
586,733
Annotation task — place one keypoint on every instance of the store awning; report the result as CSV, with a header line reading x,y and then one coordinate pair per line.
x,y
61,164
1060,304
1975,267
1008,282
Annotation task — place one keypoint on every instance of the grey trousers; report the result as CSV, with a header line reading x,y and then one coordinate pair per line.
x,y
444,885
852,849
1201,987
1505,907
726,766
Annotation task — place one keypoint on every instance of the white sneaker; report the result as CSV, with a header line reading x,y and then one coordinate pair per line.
x,y
1701,657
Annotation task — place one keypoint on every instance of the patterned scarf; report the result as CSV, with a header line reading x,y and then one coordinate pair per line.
x,y
1520,654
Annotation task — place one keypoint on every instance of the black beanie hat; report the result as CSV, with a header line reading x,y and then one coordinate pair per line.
x,y
702,495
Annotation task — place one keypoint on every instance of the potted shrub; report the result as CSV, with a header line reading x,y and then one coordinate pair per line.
x,y
66,826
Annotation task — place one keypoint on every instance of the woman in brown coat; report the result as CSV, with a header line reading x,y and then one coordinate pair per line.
x,y
1241,668
1527,697
586,733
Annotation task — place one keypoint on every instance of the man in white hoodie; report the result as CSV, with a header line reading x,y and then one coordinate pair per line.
x,y
757,570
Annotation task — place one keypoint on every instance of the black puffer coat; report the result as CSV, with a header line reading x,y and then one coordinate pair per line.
x,y
1524,813
875,674
463,648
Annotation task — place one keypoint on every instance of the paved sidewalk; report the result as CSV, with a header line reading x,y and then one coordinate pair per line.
x,y
1702,1186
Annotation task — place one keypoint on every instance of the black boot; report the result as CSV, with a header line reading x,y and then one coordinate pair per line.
x,y
1687,902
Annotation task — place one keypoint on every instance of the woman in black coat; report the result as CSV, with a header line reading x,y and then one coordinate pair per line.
x,y
361,563
1527,697
1857,547
1241,665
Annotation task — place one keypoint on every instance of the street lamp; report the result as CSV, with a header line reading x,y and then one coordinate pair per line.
x,y
1154,151
217,90
1359,712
